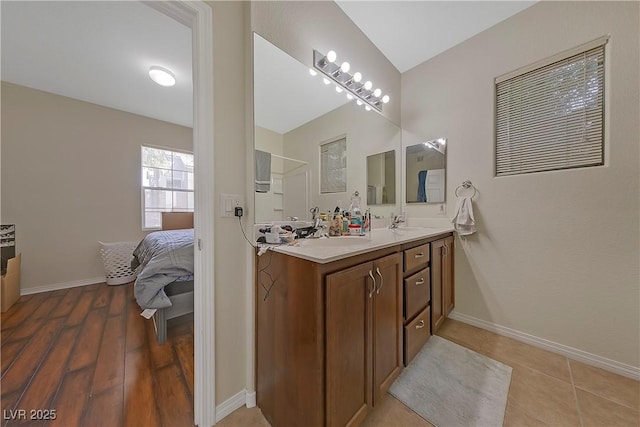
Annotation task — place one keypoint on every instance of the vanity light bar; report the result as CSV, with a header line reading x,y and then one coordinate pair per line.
x,y
351,83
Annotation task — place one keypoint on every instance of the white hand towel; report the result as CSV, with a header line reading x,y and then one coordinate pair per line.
x,y
463,221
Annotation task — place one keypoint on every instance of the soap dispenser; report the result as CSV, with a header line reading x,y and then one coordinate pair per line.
x,y
355,211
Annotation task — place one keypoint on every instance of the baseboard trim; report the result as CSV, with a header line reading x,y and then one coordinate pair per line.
x,y
64,285
237,401
251,399
570,352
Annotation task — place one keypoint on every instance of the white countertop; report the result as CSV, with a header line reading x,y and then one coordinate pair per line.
x,y
324,250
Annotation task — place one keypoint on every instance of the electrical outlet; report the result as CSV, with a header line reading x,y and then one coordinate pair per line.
x,y
228,204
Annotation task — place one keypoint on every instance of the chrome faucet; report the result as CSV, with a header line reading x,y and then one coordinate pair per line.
x,y
396,220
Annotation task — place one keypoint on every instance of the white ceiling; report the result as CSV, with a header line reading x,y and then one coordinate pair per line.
x,y
101,51
410,32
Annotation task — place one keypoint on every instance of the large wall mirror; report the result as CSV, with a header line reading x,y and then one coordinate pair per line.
x,y
295,115
426,171
381,179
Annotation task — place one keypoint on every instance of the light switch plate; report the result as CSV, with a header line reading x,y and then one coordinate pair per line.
x,y
228,203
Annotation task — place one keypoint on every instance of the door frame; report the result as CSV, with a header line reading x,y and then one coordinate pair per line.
x,y
198,16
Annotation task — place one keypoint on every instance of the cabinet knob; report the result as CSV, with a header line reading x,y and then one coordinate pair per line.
x,y
420,324
420,255
420,282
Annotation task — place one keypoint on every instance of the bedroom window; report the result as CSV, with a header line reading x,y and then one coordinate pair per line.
x,y
550,115
167,184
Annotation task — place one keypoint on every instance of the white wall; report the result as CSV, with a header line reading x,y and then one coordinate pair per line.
x,y
557,253
71,178
367,133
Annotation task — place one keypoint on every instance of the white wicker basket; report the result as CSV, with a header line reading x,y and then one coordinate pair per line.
x,y
117,257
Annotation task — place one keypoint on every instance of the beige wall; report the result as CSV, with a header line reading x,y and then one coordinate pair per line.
x,y
556,254
71,177
230,38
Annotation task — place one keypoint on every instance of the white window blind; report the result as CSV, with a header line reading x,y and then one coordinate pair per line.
x,y
333,167
167,184
552,117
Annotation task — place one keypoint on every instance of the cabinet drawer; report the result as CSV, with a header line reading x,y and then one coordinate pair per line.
x,y
417,292
417,257
416,334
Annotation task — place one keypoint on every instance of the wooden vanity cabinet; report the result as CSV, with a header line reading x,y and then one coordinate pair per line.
x,y
442,290
330,338
417,296
364,338
325,351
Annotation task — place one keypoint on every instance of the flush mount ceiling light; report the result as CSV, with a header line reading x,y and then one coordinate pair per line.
x,y
162,76
363,93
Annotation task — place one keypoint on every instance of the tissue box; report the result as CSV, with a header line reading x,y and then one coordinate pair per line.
x,y
10,291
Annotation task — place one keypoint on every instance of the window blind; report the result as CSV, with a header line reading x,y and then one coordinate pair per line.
x,y
552,117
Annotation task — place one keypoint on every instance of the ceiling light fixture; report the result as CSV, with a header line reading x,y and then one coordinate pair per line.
x,y
339,74
162,76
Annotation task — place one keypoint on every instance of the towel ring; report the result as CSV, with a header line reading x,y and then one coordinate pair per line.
x,y
466,184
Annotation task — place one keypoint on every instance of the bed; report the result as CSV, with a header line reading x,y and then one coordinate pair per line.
x,y
164,263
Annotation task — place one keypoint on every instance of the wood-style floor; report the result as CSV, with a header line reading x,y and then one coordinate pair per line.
x,y
87,354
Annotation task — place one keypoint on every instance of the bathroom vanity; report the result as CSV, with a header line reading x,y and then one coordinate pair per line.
x,y
338,318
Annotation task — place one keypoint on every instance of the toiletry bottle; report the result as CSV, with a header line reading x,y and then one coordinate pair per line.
x,y
354,210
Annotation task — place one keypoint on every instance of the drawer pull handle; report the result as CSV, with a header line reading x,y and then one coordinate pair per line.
x,y
420,255
420,324
420,282
381,280
373,288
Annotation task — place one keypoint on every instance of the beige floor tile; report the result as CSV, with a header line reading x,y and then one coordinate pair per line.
x,y
393,413
597,411
606,384
516,417
244,417
543,397
463,334
510,351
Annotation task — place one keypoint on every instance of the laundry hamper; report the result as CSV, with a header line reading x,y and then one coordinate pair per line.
x,y
117,257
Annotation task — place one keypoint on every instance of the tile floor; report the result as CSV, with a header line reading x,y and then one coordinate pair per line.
x,y
546,389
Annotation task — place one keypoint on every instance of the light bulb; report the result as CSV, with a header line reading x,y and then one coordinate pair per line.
x,y
366,107
385,99
358,102
338,89
326,80
357,77
331,56
368,85
442,141
345,67
377,92
312,72
349,96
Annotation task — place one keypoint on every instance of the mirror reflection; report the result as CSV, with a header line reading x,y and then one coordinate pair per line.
x,y
425,171
295,116
381,178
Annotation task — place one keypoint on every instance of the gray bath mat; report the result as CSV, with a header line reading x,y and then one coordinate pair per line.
x,y
450,386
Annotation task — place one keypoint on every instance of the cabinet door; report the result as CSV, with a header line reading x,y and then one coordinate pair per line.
x,y
447,276
349,334
387,324
437,303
